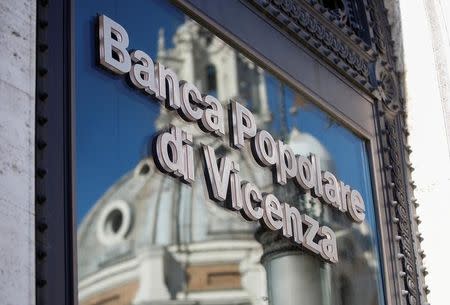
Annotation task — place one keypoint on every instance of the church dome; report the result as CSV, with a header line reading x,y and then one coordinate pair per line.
x,y
304,144
146,208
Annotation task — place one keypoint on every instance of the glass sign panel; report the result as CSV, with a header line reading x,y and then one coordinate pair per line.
x,y
201,178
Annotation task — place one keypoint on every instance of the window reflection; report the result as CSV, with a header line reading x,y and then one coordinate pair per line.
x,y
145,238
211,80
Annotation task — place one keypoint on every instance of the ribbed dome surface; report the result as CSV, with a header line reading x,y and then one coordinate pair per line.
x,y
164,211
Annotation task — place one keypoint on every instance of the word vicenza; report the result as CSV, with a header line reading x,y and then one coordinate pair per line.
x,y
173,150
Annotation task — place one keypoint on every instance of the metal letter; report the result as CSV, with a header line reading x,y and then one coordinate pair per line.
x,y
345,191
243,124
235,185
286,166
265,148
305,173
169,151
142,73
313,227
357,208
188,153
218,177
166,76
292,223
250,191
328,244
331,190
116,45
318,187
273,214
213,116
189,112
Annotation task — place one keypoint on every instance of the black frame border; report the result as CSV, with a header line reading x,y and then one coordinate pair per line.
x,y
56,267
55,214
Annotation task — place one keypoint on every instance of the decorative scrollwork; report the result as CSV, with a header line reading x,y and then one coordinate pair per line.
x,y
332,32
400,209
307,28
388,90
395,126
381,29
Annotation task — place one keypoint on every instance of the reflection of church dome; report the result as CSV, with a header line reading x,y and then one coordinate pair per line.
x,y
147,208
147,211
304,144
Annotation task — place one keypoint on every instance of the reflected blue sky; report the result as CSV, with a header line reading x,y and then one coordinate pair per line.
x,y
114,122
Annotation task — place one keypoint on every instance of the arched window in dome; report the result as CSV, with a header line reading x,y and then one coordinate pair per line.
x,y
211,80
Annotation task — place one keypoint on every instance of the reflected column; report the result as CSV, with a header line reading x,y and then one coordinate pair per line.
x,y
293,277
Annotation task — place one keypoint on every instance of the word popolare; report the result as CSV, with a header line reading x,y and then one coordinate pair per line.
x,y
174,155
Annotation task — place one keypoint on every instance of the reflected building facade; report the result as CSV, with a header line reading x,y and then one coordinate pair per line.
x,y
152,240
175,247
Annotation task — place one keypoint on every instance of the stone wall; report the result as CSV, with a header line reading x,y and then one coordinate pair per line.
x,y
418,31
17,103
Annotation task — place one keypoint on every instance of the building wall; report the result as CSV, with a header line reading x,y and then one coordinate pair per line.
x,y
17,91
424,60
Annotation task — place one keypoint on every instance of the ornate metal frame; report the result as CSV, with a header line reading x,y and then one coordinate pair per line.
x,y
368,67
372,67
